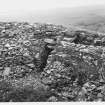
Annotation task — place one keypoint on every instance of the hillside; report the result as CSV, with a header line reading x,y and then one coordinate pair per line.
x,y
74,70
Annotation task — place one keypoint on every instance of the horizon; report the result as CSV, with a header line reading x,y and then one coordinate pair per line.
x,y
19,7
45,11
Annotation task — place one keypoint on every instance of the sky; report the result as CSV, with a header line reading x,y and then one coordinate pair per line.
x,y
16,5
11,8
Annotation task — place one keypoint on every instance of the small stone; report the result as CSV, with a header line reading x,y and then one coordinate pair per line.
x,y
27,43
6,71
52,99
31,65
99,95
93,86
1,68
99,99
84,90
7,45
48,71
86,85
37,55
65,94
58,75
26,54
49,41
